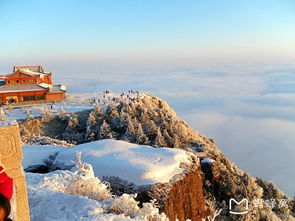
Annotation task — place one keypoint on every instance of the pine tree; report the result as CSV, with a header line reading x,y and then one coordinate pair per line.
x,y
73,122
139,129
152,130
114,118
144,118
168,139
91,129
46,116
71,133
130,130
176,141
181,131
164,125
123,115
141,138
63,114
130,108
105,131
159,140
117,125
2,115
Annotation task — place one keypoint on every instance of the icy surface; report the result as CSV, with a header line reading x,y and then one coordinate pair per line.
x,y
136,163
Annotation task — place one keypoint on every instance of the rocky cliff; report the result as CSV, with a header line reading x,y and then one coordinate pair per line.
x,y
203,190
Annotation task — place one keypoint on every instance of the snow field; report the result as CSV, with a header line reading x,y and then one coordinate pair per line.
x,y
138,164
79,194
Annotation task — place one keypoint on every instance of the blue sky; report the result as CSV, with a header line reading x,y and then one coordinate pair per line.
x,y
139,31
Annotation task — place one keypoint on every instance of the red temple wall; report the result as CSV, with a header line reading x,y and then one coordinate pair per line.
x,y
19,95
55,96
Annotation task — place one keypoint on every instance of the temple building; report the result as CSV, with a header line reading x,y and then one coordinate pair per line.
x,y
29,84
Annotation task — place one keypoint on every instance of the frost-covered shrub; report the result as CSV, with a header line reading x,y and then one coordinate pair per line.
x,y
30,127
62,114
86,184
43,140
81,189
46,116
152,213
125,204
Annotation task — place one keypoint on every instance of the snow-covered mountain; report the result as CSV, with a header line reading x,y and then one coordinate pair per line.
x,y
204,179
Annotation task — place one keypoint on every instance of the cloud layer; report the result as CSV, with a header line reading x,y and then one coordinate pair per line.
x,y
248,108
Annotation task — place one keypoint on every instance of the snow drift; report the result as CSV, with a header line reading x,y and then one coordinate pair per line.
x,y
79,195
138,164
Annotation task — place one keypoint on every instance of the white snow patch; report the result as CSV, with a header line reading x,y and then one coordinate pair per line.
x,y
79,195
139,164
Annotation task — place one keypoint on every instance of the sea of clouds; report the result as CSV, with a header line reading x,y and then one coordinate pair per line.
x,y
249,109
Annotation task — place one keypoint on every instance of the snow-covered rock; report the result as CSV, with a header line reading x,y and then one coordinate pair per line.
x,y
207,161
138,164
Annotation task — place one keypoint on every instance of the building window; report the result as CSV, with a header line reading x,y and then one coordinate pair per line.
x,y
9,82
17,81
40,97
29,98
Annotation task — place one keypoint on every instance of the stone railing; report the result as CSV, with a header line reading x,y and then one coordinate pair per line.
x,y
11,157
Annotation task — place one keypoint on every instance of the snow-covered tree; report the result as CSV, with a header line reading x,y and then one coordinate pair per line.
x,y
144,118
72,133
111,111
46,116
159,140
130,131
63,114
92,128
73,122
98,110
123,115
30,127
151,130
130,108
164,125
176,142
167,138
105,131
2,115
117,124
141,138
